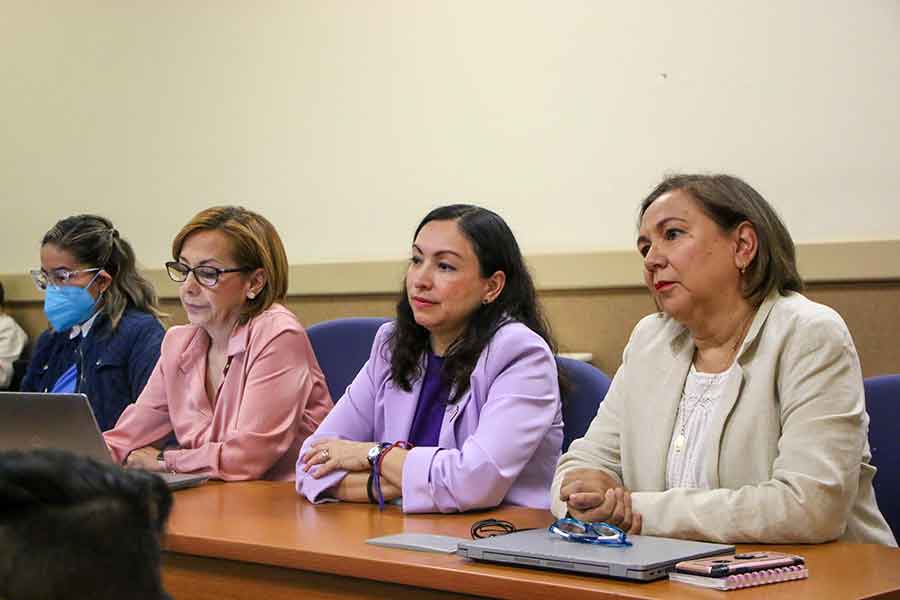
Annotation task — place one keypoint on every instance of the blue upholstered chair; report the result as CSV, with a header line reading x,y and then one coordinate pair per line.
x,y
588,386
342,347
883,406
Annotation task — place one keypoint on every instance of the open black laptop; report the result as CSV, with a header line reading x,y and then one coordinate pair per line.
x,y
63,421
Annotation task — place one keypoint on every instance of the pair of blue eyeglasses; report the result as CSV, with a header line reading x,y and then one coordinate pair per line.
x,y
589,533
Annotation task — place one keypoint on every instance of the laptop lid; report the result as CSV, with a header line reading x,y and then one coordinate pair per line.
x,y
64,421
648,557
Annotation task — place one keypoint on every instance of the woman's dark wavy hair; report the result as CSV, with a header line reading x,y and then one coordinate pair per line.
x,y
497,250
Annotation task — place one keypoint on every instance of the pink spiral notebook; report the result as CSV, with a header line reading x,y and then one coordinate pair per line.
x,y
742,580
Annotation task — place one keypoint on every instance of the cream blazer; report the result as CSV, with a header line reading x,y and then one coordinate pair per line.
x,y
786,448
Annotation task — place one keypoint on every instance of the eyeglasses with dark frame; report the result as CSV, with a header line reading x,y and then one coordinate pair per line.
x,y
205,275
589,533
57,277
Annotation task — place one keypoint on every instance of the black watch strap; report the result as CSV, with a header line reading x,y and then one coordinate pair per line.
x,y
369,490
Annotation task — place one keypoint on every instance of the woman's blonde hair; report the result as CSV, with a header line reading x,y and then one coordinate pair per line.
x,y
255,244
94,242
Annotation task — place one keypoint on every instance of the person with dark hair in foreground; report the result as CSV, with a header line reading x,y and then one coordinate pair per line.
x,y
465,374
71,528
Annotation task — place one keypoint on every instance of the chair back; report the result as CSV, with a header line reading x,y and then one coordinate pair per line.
x,y
883,406
20,367
587,388
342,347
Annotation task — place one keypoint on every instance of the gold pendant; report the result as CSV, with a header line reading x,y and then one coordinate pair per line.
x,y
679,442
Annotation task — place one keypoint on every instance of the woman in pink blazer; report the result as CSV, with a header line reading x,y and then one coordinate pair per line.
x,y
240,386
465,376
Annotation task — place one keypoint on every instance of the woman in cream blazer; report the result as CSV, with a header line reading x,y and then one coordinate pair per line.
x,y
782,455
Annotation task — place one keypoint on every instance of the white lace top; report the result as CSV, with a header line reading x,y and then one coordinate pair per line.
x,y
701,393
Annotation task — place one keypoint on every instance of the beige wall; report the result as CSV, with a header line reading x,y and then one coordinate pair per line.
x,y
344,121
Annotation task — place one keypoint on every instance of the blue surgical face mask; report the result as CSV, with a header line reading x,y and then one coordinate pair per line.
x,y
68,305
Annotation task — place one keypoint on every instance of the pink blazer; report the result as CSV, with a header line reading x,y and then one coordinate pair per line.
x,y
272,398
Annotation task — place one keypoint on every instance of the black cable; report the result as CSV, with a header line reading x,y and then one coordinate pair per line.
x,y
492,527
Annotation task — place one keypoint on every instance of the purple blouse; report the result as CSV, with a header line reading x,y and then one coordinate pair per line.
x,y
426,425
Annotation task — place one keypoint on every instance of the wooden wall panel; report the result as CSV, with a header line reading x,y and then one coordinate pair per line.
x,y
599,320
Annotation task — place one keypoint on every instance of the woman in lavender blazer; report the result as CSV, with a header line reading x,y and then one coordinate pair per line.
x,y
465,374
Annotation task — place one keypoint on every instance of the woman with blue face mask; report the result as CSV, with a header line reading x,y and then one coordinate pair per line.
x,y
104,334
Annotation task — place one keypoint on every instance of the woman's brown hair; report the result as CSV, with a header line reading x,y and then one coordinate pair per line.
x,y
255,244
730,201
93,241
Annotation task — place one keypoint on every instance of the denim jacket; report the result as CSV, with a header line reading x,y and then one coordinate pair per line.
x,y
113,366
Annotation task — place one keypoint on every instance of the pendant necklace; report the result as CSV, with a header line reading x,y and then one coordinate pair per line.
x,y
681,438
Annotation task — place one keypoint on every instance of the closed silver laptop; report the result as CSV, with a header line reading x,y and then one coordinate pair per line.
x,y
646,559
63,421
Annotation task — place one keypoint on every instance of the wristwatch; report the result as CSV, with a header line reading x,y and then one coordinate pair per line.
x,y
375,451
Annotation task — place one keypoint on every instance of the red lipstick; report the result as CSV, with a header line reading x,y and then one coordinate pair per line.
x,y
663,285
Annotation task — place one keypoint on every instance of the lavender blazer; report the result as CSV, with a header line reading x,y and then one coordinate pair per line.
x,y
498,443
